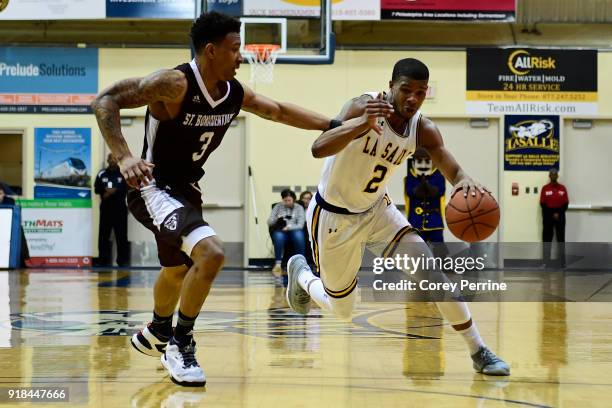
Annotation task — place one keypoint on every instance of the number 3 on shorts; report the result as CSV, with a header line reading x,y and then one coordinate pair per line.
x,y
205,139
373,185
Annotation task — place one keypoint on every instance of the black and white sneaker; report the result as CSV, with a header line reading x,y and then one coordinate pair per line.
x,y
182,366
149,342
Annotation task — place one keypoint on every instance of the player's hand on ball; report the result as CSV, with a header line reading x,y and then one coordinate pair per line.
x,y
136,171
468,185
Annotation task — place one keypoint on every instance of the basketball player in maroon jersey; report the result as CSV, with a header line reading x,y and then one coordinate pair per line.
x,y
189,109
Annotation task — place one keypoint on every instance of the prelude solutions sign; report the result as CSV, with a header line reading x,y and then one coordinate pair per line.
x,y
48,80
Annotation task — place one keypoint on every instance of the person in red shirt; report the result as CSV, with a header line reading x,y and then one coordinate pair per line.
x,y
554,201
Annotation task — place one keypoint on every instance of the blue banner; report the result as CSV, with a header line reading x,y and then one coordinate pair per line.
x,y
47,80
229,7
531,143
165,9
62,163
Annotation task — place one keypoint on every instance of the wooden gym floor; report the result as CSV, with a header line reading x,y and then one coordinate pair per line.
x,y
71,328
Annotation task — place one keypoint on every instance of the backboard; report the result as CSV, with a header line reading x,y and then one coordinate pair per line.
x,y
301,28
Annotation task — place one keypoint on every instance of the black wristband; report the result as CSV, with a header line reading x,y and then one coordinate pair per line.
x,y
334,123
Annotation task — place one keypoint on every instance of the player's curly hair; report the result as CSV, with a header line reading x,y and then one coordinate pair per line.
x,y
212,27
411,68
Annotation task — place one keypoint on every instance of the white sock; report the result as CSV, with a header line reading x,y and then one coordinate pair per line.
x,y
314,286
472,338
457,313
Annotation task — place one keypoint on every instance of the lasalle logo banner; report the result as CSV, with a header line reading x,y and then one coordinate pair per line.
x,y
531,81
531,143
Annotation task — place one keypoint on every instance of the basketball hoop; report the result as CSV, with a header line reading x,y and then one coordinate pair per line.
x,y
262,58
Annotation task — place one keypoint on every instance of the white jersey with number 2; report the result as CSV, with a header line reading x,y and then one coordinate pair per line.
x,y
356,177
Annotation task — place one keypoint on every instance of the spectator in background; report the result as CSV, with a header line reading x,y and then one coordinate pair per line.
x,y
286,223
554,201
5,190
112,188
304,200
4,198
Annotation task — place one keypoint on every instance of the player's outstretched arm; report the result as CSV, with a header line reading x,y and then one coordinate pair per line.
x,y
358,116
283,112
431,139
166,86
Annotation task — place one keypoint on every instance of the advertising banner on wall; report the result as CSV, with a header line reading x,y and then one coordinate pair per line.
x,y
176,9
230,7
58,232
47,80
531,81
62,163
479,10
51,9
531,142
341,9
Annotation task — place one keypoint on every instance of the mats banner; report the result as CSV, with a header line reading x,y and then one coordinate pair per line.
x,y
62,163
51,9
531,81
341,9
477,10
58,232
47,80
531,143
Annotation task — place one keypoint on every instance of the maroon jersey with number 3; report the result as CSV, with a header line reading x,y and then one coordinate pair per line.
x,y
179,147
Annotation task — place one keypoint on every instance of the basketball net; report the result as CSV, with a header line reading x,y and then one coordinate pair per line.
x,y
262,57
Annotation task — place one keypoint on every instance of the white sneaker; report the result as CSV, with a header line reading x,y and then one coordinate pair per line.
x,y
297,298
148,342
182,365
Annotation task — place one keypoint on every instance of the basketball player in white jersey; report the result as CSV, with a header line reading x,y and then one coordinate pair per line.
x,y
351,207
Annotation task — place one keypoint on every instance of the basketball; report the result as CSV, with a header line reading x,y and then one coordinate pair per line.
x,y
472,218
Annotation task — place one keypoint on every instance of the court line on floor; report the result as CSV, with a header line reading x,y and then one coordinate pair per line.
x,y
491,379
355,387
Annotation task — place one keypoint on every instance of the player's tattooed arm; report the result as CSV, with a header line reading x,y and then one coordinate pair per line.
x,y
166,86
429,137
283,112
359,116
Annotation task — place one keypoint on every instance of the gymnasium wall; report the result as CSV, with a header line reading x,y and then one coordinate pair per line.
x,y
280,155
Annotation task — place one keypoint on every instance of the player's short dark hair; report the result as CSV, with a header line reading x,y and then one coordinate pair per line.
x,y
411,68
286,193
212,27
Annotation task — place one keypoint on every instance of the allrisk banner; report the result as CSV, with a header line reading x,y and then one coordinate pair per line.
x,y
531,81
58,232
